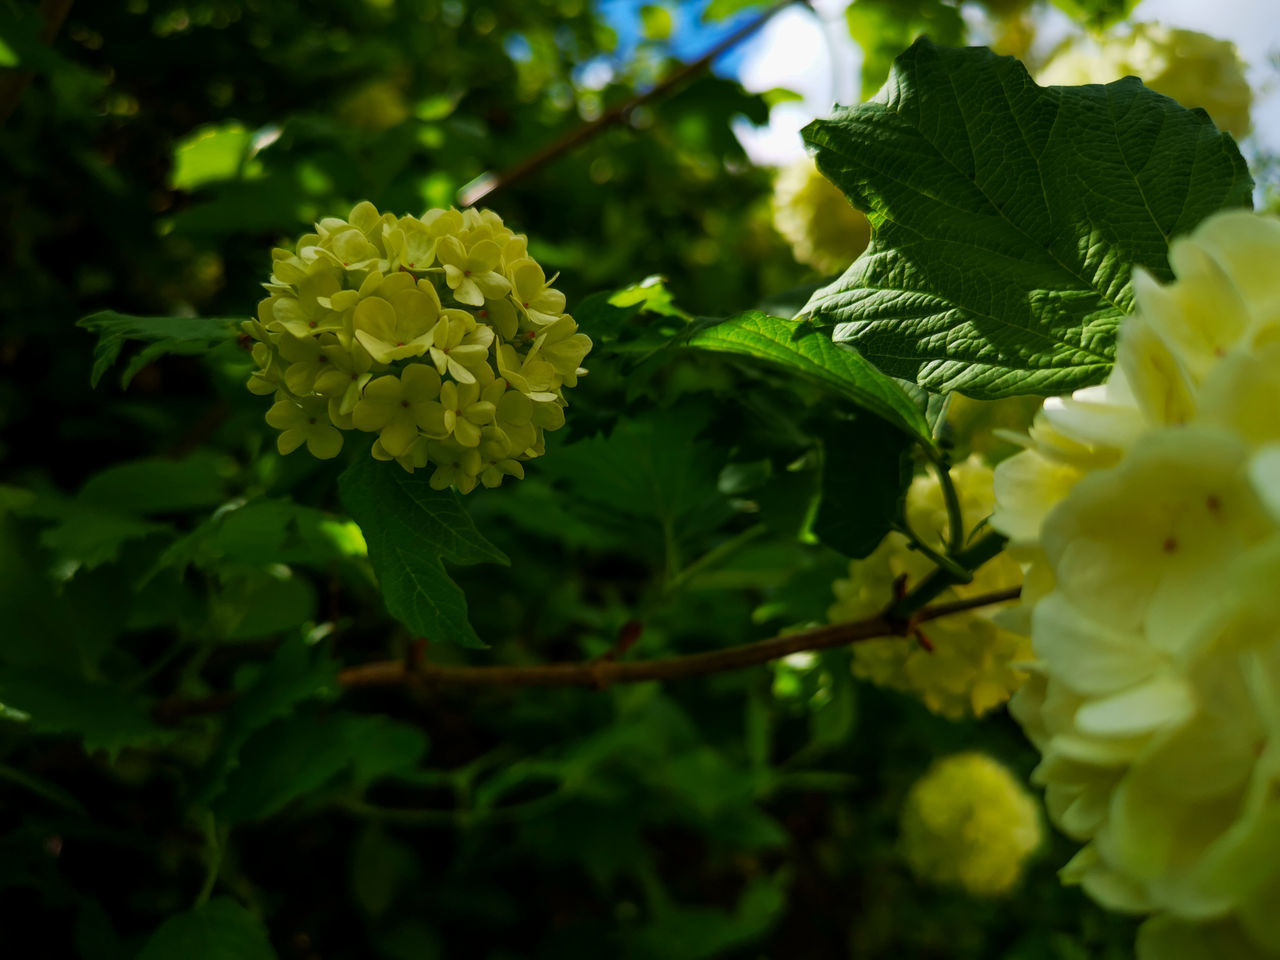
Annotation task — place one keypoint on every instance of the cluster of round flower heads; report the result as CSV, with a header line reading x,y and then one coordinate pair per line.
x,y
969,823
437,333
824,229
959,665
1193,68
1149,507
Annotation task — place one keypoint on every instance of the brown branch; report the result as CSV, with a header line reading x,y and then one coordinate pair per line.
x,y
601,673
488,184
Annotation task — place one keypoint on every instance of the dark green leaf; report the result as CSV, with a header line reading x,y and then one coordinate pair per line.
x,y
296,756
380,868
1008,218
296,673
149,487
833,720
701,933
410,940
260,603
164,335
866,470
884,28
62,702
411,531
218,930
49,625
381,747
808,352
87,537
652,469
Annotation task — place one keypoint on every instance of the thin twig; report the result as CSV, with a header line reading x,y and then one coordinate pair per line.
x,y
941,579
603,673
489,184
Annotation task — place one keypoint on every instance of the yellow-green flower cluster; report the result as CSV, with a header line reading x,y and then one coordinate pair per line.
x,y
959,665
824,229
1193,68
1150,505
969,823
438,333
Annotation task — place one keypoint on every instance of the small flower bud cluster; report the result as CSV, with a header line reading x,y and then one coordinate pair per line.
x,y
824,229
961,665
1149,506
1193,68
968,823
438,333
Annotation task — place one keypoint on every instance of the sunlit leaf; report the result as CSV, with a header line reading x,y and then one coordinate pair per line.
x,y
808,352
1008,218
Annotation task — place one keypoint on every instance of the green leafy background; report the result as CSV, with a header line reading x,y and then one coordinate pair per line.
x,y
182,774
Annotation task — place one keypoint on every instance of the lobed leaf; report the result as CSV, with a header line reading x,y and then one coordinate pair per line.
x,y
411,530
164,335
1008,218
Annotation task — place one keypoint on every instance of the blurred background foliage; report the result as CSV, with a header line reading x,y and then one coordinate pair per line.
x,y
154,546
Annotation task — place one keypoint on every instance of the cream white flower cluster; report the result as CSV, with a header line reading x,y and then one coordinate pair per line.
x,y
969,823
959,665
437,333
1150,507
824,229
1193,68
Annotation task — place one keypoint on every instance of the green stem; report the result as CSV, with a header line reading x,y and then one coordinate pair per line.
x,y
982,550
214,848
460,817
671,552
715,555
54,794
955,519
943,562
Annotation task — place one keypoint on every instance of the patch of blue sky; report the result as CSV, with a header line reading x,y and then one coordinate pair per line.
x,y
691,36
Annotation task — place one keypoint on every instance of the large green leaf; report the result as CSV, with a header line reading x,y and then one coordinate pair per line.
x,y
164,335
411,530
808,352
218,930
1008,218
